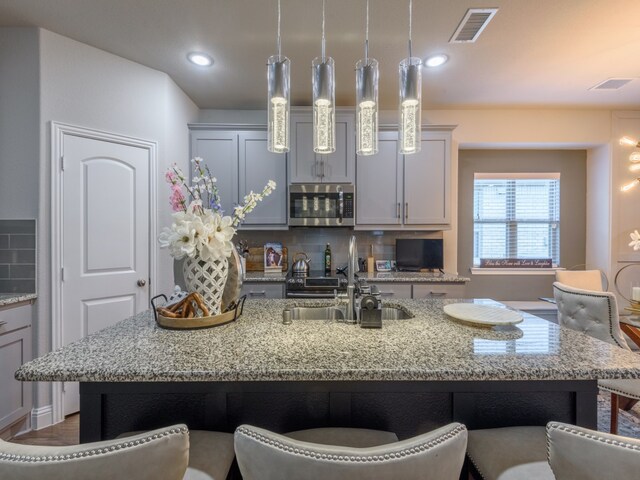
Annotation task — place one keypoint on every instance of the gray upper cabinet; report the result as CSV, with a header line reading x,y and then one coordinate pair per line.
x,y
240,161
410,192
257,166
426,182
379,184
309,167
219,150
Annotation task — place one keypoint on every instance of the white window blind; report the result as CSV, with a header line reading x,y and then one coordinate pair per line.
x,y
516,216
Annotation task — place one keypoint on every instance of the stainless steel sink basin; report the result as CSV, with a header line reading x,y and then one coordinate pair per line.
x,y
395,313
337,312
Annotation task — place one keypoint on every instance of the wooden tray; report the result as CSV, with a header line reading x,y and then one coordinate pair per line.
x,y
255,260
198,322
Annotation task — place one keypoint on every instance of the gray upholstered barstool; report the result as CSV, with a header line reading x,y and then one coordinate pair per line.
x,y
596,314
162,453
559,452
210,454
264,455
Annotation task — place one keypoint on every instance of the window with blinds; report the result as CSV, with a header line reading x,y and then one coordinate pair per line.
x,y
516,216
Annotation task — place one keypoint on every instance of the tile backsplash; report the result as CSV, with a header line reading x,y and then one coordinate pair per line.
x,y
17,256
313,241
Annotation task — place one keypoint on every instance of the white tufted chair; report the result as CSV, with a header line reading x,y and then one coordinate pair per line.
x,y
264,455
583,279
559,452
596,314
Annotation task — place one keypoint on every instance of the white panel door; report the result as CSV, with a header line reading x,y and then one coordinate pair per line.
x,y
379,184
426,183
256,167
105,236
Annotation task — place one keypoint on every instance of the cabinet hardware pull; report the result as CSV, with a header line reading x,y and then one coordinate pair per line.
x,y
258,294
406,210
323,168
398,210
387,293
3,323
437,294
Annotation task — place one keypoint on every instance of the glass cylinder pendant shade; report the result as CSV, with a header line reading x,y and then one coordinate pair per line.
x,y
367,107
324,100
410,120
278,76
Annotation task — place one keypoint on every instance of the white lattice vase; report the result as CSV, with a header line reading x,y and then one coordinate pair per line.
x,y
208,279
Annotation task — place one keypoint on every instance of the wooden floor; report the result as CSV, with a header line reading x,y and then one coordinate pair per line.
x,y
63,433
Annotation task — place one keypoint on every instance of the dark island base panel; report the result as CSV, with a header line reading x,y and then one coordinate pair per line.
x,y
407,408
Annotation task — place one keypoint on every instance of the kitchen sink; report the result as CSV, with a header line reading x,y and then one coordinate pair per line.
x,y
337,312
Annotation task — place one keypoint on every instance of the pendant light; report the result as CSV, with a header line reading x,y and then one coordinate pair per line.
x,y
278,104
367,100
324,100
410,104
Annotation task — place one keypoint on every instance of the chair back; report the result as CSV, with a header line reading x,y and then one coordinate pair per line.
x,y
264,455
576,452
591,312
582,279
162,453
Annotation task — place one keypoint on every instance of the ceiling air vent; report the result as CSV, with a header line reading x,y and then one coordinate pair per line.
x,y
472,24
611,84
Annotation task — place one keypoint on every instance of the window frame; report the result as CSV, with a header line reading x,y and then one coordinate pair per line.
x,y
511,224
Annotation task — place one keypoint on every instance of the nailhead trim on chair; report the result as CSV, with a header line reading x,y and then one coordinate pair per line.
x,y
352,458
619,392
608,305
590,436
12,457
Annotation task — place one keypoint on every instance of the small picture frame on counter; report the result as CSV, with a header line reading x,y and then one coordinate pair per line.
x,y
273,255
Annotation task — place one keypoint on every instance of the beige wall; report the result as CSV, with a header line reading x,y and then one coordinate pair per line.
x,y
572,167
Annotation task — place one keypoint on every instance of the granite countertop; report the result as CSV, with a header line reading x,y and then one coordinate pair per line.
x,y
11,298
391,277
258,347
265,277
413,277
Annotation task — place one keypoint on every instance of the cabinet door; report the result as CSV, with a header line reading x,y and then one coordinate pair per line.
x,y
303,163
15,396
379,177
338,167
390,291
426,182
219,150
256,167
263,290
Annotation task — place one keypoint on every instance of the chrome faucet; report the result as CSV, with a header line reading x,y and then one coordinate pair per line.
x,y
351,279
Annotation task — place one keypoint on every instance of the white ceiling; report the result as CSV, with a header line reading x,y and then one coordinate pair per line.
x,y
534,53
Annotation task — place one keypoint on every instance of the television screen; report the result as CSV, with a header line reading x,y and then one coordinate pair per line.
x,y
417,253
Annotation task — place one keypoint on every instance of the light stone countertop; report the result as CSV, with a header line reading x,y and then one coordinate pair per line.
x,y
258,347
391,277
7,299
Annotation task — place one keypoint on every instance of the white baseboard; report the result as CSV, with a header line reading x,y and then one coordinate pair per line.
x,y
41,417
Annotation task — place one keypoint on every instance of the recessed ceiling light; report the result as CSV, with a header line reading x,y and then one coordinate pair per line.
x,y
200,59
436,60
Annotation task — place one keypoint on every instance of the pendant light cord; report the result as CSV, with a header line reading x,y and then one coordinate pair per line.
x,y
366,38
323,40
279,42
410,24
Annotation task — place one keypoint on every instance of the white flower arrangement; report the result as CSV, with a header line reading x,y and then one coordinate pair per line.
x,y
635,240
200,229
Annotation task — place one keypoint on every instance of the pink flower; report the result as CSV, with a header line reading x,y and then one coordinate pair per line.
x,y
170,177
177,200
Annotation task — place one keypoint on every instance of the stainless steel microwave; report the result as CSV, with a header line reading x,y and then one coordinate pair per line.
x,y
321,205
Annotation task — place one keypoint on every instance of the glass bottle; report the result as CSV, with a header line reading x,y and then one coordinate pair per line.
x,y
327,260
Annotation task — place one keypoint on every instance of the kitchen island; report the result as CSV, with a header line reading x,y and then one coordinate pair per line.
x,y
410,376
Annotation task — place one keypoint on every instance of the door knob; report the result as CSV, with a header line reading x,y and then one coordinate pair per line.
x,y
142,282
